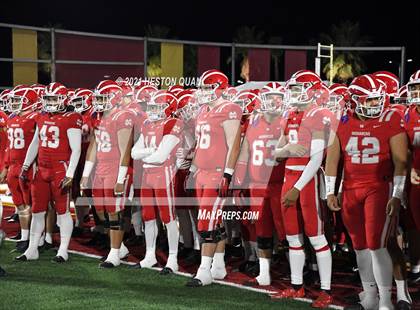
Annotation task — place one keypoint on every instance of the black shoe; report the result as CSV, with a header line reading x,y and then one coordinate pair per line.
x,y
2,272
77,232
194,282
103,258
14,218
357,306
21,246
165,271
58,259
16,237
403,305
46,246
136,266
134,241
106,265
21,258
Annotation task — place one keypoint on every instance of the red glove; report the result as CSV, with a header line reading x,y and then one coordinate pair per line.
x,y
223,188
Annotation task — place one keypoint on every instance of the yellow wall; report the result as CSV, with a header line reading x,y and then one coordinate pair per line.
x,y
25,46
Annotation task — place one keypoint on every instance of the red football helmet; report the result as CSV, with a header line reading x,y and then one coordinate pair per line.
x,y
106,95
187,105
54,98
339,97
272,96
402,95
413,88
211,86
81,100
162,105
22,98
230,93
143,93
390,80
248,100
302,87
175,89
367,96
4,98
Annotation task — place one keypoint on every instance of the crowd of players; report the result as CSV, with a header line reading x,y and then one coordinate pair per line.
x,y
320,165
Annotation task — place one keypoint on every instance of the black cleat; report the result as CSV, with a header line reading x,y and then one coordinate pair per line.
x,y
166,271
403,305
194,282
106,265
103,258
357,306
58,259
136,266
46,246
2,272
14,218
16,237
21,258
22,246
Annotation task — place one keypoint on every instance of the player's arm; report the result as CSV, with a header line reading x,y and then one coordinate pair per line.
x,y
242,164
399,150
284,149
139,150
74,136
31,154
232,129
5,169
311,169
89,162
125,142
166,146
331,167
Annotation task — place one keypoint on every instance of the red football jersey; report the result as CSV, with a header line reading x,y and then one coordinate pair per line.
x,y
412,125
153,132
300,126
20,131
211,148
262,138
106,135
3,138
365,148
53,141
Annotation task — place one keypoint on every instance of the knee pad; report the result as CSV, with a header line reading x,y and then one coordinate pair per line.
x,y
264,243
213,236
116,221
295,242
319,243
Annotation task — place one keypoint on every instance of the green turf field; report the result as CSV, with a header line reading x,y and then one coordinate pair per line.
x,y
81,284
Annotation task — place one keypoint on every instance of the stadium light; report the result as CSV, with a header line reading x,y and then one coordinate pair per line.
x,y
410,60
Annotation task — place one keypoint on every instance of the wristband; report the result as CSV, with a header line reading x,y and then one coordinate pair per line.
x,y
229,171
330,184
398,189
87,170
122,172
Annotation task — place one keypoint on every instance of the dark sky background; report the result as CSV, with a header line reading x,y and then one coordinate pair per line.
x,y
297,22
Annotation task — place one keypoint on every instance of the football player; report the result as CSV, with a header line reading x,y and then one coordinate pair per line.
x,y
159,139
265,176
23,100
374,146
56,144
302,145
218,137
109,150
412,119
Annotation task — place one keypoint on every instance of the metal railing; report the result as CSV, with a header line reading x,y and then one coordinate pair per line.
x,y
233,46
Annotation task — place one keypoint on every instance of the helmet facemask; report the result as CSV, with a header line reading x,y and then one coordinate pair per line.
x,y
297,94
207,93
79,104
369,106
102,103
53,103
271,102
155,111
413,91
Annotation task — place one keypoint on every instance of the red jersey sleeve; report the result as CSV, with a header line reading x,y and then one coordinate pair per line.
x,y
74,120
396,122
124,120
173,126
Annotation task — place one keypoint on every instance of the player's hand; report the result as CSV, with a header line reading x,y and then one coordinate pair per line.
x,y
333,203
181,153
296,150
291,197
393,207
223,188
24,174
119,189
83,184
66,183
415,176
3,175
